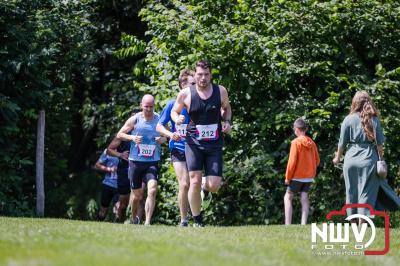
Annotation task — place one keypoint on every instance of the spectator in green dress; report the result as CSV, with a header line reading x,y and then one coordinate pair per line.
x,y
357,135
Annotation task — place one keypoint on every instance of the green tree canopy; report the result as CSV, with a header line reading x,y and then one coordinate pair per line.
x,y
279,60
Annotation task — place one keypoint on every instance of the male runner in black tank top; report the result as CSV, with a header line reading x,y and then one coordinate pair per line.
x,y
208,106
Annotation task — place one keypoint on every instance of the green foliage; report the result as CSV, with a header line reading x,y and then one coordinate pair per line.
x,y
57,55
46,44
167,211
279,60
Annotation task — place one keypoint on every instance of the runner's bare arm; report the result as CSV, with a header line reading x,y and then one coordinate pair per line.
x,y
226,111
112,149
123,133
103,168
163,130
178,106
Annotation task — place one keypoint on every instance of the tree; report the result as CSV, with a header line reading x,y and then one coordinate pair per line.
x,y
57,56
279,60
45,44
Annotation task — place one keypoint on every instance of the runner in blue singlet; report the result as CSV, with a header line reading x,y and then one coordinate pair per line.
x,y
120,149
144,155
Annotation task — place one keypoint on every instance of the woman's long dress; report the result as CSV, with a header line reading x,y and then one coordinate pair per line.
x,y
363,185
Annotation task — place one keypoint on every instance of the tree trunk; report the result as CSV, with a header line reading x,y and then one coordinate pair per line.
x,y
40,165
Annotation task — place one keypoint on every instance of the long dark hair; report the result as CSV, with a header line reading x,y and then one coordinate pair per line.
x,y
363,104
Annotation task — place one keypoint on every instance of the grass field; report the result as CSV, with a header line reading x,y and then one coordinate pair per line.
x,y
25,241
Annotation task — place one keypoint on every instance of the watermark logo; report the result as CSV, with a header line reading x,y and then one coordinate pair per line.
x,y
334,238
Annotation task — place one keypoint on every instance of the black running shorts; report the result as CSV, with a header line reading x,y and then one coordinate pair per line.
x,y
142,172
178,155
107,194
209,159
123,181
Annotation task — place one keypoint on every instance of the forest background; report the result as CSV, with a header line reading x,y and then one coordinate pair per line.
x,y
87,63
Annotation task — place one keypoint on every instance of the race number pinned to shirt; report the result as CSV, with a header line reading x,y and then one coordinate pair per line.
x,y
181,129
207,132
146,150
114,175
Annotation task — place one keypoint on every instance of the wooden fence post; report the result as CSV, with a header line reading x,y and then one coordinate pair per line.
x,y
40,164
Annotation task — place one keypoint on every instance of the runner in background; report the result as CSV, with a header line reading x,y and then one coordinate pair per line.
x,y
177,137
120,149
108,165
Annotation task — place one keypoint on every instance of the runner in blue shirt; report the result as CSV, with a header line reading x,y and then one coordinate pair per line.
x,y
108,165
177,137
120,149
144,155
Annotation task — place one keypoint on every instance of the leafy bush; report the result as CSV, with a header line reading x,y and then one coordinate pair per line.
x,y
279,60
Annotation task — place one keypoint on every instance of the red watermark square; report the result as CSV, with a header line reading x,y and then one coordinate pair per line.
x,y
338,234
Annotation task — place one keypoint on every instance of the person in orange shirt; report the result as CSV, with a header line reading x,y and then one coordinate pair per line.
x,y
301,170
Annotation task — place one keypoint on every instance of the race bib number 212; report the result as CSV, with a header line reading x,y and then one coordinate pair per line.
x,y
207,132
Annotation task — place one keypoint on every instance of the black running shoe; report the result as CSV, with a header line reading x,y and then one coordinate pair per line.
x,y
184,224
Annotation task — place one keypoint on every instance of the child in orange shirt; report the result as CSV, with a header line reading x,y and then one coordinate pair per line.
x,y
301,170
